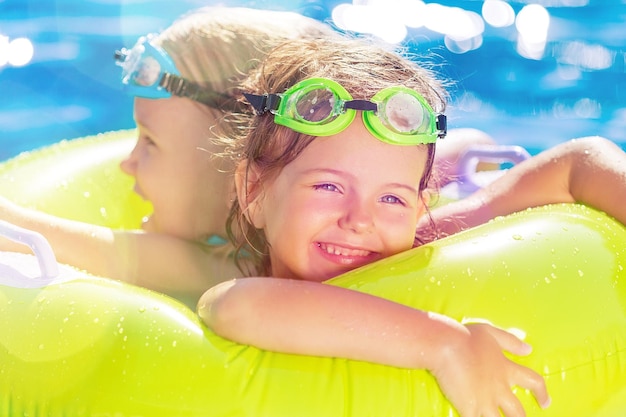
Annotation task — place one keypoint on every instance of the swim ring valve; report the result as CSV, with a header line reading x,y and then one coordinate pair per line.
x,y
37,243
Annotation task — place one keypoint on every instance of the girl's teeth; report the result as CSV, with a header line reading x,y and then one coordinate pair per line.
x,y
339,251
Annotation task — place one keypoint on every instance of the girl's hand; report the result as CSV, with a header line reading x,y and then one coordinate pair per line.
x,y
477,378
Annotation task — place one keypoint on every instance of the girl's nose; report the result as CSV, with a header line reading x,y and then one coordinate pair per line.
x,y
129,164
357,218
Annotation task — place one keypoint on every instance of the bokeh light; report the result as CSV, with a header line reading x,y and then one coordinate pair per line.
x,y
498,13
16,52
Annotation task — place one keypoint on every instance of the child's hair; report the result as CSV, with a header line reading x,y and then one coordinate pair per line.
x,y
361,66
217,46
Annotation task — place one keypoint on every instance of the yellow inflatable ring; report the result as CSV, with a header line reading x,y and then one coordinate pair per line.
x,y
77,345
79,179
90,346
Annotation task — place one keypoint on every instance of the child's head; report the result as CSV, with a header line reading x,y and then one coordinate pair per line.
x,y
270,151
211,49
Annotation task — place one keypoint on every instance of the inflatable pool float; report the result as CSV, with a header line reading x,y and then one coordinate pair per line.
x,y
77,345
79,179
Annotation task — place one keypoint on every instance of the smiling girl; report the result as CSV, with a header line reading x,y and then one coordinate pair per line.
x,y
332,175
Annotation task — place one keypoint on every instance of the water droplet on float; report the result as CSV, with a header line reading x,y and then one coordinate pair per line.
x,y
517,237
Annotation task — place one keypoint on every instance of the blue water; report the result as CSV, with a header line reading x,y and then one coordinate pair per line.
x,y
71,87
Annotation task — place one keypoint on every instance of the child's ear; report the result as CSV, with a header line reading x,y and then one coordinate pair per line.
x,y
248,186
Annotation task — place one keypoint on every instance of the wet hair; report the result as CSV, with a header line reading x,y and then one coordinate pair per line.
x,y
217,46
362,66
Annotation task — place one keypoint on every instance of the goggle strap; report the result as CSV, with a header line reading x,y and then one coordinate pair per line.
x,y
263,103
362,105
181,87
442,125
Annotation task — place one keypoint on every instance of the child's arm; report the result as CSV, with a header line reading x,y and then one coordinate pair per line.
x,y
316,319
589,170
154,260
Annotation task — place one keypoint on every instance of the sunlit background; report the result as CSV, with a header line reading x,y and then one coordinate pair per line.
x,y
532,73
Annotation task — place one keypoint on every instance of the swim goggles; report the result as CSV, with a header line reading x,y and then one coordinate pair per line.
x,y
322,107
149,72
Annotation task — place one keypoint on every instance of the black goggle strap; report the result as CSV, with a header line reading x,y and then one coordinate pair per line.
x,y
181,87
362,105
178,86
263,103
441,123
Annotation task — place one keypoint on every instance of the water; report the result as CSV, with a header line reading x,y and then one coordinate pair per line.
x,y
71,86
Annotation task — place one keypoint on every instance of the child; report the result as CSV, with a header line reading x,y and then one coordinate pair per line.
x,y
182,249
325,185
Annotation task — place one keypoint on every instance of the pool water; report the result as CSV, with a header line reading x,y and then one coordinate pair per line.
x,y
71,86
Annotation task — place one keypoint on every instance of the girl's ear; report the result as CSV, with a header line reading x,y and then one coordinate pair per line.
x,y
248,186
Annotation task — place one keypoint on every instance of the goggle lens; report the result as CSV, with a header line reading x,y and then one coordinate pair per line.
x,y
314,106
146,72
143,67
404,113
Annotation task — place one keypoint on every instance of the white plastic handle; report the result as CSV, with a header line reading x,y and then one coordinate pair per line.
x,y
498,154
37,243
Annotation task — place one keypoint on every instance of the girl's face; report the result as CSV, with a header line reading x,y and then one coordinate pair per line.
x,y
345,201
173,169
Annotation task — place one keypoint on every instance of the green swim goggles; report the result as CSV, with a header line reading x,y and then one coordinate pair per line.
x,y
322,107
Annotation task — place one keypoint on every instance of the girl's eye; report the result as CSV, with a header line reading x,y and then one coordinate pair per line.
x,y
326,187
147,140
391,199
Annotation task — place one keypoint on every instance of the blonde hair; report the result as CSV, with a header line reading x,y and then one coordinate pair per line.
x,y
217,46
361,66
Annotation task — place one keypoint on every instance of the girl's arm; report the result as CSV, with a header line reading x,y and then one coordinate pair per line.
x,y
589,170
152,260
317,319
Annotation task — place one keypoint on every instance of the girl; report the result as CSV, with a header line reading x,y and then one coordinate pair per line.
x,y
332,175
182,249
